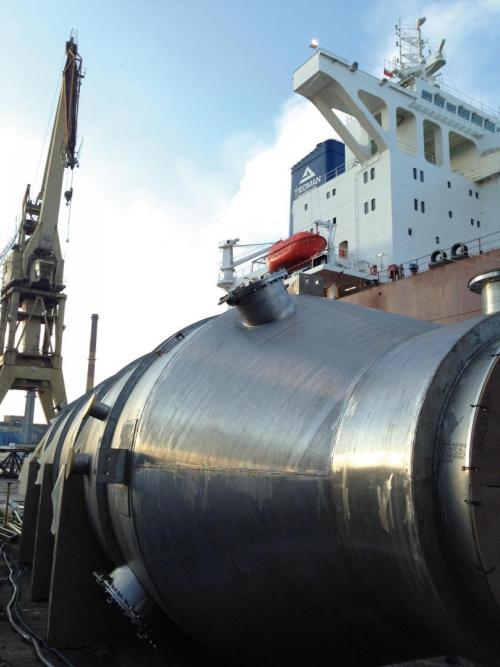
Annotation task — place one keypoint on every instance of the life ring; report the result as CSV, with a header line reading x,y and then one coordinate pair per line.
x,y
438,256
459,250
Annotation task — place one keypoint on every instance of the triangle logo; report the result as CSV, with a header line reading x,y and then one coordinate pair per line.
x,y
308,173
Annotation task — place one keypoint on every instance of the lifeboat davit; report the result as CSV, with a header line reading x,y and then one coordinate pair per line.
x,y
294,251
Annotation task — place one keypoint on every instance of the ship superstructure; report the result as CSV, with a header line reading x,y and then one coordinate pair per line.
x,y
419,167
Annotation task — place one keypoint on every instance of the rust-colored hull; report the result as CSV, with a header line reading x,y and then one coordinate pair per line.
x,y
440,295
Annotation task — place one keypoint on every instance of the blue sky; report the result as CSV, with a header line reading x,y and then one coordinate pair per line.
x,y
195,71
189,127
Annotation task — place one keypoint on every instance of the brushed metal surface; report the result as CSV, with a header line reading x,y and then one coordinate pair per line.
x,y
296,490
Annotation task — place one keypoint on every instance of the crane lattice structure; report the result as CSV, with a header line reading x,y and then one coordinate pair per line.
x,y
32,298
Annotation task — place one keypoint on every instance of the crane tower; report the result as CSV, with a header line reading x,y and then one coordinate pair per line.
x,y
32,298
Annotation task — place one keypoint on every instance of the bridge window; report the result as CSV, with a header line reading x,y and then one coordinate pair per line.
x,y
451,107
426,95
477,119
439,101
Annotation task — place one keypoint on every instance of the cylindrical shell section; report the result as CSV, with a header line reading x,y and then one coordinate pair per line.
x,y
386,484
284,497
231,493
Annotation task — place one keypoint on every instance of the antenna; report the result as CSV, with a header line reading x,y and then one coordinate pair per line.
x,y
411,62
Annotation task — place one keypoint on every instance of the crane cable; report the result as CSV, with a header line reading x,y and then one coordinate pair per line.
x,y
68,193
51,116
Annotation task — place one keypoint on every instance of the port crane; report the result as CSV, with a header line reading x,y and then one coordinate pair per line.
x,y
32,297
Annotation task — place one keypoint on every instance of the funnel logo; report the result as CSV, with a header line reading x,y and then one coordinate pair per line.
x,y
309,180
308,173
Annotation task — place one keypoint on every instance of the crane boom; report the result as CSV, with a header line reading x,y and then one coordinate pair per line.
x,y
44,212
32,299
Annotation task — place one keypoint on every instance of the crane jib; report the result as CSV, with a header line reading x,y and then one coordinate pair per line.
x,y
72,76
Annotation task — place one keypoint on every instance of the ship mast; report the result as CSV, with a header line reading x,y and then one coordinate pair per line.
x,y
411,63
32,299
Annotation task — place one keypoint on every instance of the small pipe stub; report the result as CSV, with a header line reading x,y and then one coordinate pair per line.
x,y
261,301
77,463
488,286
97,409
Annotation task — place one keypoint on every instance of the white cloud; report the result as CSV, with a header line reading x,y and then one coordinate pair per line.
x,y
259,210
145,257
470,30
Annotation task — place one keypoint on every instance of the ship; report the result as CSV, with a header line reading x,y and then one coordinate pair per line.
x,y
406,191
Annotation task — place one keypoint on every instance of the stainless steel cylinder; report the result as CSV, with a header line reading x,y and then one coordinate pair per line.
x,y
318,489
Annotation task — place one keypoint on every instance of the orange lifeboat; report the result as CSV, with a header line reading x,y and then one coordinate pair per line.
x,y
294,251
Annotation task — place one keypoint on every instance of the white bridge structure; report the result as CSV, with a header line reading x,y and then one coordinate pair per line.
x,y
422,164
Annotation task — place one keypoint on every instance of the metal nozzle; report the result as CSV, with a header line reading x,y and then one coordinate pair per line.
x,y
488,286
262,301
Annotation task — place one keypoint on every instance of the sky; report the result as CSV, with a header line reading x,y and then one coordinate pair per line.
x,y
189,128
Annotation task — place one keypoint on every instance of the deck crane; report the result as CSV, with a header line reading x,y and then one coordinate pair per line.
x,y
32,298
254,257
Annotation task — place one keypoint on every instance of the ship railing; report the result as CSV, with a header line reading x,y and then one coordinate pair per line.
x,y
248,270
473,247
471,101
253,248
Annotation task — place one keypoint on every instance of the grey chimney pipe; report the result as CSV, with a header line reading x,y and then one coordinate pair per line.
x,y
92,349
